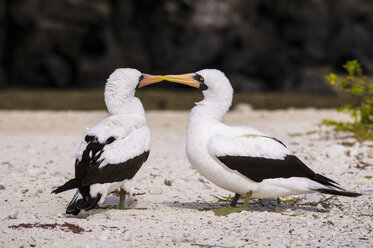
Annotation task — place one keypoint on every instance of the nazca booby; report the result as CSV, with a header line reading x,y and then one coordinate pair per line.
x,y
242,159
113,150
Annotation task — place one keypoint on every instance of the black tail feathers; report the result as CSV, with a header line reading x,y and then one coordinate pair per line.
x,y
337,192
79,203
333,187
71,184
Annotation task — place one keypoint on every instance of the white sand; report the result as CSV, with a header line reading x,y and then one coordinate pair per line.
x,y
37,154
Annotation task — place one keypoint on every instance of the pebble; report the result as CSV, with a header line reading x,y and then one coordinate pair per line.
x,y
13,214
155,191
38,192
335,151
10,214
2,187
127,236
168,182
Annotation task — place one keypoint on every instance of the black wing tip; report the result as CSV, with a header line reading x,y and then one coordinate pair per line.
x,y
324,180
71,184
337,192
76,205
74,211
56,191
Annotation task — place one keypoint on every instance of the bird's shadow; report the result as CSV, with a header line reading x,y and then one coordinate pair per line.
x,y
265,205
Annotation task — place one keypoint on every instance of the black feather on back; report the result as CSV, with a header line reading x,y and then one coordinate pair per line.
x,y
87,171
258,169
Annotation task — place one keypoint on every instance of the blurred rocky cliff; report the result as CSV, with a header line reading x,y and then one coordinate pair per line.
x,y
260,44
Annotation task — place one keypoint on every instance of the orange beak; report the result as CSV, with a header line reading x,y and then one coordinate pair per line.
x,y
187,79
149,79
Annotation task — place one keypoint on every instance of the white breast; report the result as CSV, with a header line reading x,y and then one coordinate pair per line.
x,y
198,135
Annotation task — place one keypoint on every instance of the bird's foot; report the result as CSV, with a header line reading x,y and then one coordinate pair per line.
x,y
235,199
232,209
122,198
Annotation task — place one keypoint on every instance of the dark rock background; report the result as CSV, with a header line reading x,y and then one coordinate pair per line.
x,y
260,44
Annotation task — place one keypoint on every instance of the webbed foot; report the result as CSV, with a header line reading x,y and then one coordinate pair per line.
x,y
231,209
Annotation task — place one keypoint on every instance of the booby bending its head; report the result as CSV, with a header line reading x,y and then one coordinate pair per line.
x,y
113,150
240,158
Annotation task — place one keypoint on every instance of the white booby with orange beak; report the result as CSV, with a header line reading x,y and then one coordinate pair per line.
x,y
240,158
112,151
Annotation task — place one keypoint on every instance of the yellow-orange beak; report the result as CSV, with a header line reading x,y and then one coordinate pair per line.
x,y
187,79
148,79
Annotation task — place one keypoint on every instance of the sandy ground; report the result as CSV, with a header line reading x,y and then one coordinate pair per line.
x,y
37,154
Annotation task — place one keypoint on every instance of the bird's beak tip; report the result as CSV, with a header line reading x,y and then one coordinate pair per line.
x,y
187,79
149,79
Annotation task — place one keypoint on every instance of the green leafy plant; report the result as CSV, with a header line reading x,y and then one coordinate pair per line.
x,y
359,85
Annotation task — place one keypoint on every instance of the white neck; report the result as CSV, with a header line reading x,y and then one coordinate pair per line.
x,y
130,105
120,95
217,97
210,110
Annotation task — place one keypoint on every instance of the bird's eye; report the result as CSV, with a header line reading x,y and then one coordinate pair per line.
x,y
141,78
198,78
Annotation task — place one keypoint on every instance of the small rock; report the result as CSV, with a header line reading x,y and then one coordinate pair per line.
x,y
329,222
127,236
155,191
335,151
168,182
13,214
2,187
186,235
38,192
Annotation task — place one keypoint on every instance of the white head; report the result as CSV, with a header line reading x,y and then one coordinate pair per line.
x,y
215,86
120,90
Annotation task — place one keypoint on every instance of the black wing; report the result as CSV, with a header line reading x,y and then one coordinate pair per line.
x,y
258,169
87,171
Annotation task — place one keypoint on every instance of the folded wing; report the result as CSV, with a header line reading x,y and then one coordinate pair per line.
x,y
257,157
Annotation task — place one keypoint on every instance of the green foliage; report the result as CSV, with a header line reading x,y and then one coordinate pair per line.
x,y
357,84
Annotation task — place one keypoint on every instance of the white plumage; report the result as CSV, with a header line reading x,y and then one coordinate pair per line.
x,y
113,150
240,158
